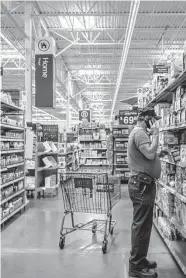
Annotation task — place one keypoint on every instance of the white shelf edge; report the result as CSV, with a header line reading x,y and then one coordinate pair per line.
x,y
14,212
94,165
168,243
13,151
173,191
11,182
93,157
11,127
12,106
94,149
12,196
11,139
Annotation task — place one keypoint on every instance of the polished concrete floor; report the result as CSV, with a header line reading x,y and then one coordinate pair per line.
x,y
30,246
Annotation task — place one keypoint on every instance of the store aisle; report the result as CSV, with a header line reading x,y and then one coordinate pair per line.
x,y
30,247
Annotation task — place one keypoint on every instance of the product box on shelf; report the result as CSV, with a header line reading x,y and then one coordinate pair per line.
x,y
49,161
47,147
50,181
30,182
61,161
183,155
184,181
178,208
178,180
161,106
170,139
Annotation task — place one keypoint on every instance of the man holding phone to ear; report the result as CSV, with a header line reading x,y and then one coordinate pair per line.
x,y
145,168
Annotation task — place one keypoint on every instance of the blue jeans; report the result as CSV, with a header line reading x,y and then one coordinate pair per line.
x,y
143,197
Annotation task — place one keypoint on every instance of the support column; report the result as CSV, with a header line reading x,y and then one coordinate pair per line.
x,y
28,62
69,94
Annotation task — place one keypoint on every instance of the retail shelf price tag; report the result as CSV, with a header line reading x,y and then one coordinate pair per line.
x,y
127,117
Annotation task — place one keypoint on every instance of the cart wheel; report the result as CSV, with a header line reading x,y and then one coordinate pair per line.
x,y
94,228
62,242
112,230
104,247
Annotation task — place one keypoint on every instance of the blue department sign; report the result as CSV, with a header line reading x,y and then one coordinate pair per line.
x,y
43,45
45,72
84,115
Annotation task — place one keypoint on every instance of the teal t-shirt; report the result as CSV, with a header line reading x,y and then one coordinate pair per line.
x,y
137,162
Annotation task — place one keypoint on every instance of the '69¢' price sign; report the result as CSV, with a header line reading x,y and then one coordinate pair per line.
x,y
127,117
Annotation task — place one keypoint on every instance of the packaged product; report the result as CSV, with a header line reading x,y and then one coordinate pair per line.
x,y
178,208
11,207
178,181
184,187
183,155
183,116
170,139
183,96
96,135
103,135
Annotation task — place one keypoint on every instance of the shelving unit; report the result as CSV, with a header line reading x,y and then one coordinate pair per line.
x,y
93,150
13,196
178,249
120,142
166,94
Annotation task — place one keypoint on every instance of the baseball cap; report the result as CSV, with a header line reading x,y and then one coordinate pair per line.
x,y
148,111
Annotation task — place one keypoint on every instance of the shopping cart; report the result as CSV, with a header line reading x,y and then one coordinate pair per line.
x,y
95,193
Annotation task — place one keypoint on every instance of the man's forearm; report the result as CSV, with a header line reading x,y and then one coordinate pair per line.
x,y
154,145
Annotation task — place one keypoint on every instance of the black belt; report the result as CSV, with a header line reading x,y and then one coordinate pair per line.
x,y
143,177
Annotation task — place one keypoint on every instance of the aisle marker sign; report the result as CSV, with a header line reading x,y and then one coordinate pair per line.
x,y
160,69
45,72
127,117
84,115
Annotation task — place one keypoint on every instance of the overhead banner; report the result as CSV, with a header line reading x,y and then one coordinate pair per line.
x,y
45,72
160,69
84,115
127,117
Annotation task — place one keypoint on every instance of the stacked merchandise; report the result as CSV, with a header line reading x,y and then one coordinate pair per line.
x,y
68,158
47,165
31,146
12,196
93,145
169,100
120,143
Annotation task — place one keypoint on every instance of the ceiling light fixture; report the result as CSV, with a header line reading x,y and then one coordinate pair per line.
x,y
130,28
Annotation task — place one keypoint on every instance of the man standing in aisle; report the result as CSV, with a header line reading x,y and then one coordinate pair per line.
x,y
145,168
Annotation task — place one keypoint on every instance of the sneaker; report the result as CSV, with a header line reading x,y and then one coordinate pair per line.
x,y
143,273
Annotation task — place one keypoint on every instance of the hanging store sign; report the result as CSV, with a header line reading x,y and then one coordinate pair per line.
x,y
45,72
160,69
127,117
84,115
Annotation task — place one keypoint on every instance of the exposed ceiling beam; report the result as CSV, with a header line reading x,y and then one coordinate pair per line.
x,y
12,19
81,14
121,29
11,45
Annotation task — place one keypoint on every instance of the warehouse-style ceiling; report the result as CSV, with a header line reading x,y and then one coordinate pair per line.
x,y
108,47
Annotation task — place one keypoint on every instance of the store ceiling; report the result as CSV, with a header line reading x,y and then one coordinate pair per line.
x,y
90,38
